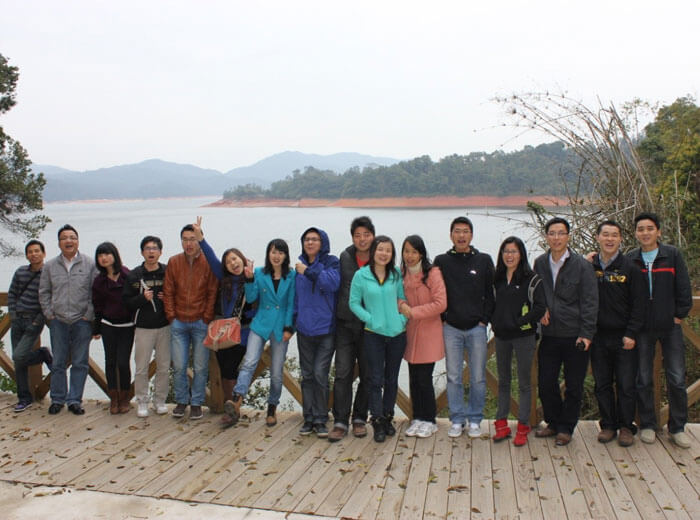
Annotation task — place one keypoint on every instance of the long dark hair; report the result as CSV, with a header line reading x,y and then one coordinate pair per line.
x,y
391,266
228,278
523,269
417,243
106,248
280,245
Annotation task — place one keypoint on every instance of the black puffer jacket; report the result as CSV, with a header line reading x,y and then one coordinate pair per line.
x,y
514,315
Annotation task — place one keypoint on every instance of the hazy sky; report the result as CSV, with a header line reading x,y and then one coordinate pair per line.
x,y
221,84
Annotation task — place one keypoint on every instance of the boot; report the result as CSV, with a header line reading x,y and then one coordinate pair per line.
x,y
113,401
502,430
389,425
379,425
521,434
227,387
233,407
124,405
271,420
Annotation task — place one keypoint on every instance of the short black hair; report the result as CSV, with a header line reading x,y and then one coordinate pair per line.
x,y
362,221
462,220
188,227
110,249
647,215
557,220
34,243
151,238
66,227
608,223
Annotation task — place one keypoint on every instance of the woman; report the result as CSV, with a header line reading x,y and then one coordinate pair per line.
x,y
230,303
273,288
113,321
520,303
426,298
375,294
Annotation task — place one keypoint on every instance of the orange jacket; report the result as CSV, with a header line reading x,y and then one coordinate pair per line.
x,y
189,291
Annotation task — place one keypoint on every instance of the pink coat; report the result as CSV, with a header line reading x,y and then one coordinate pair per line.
x,y
424,343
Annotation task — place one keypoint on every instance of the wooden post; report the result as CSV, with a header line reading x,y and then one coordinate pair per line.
x,y
215,399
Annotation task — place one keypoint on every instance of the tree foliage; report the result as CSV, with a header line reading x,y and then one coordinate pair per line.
x,y
20,189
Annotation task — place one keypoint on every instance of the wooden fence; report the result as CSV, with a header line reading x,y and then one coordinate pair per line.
x,y
39,384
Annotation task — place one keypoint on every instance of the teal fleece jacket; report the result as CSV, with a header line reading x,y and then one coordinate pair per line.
x,y
378,305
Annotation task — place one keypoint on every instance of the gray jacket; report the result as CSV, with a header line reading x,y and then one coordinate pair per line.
x,y
573,303
65,295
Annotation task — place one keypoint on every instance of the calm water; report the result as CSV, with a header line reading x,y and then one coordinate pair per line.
x,y
250,229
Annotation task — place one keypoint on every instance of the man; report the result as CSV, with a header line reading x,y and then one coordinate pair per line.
x,y
349,339
568,327
317,282
65,293
27,321
188,296
143,294
468,276
621,296
669,299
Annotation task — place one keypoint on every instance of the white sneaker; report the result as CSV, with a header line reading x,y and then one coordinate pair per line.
x,y
161,408
426,430
681,439
455,430
648,435
142,410
413,428
474,430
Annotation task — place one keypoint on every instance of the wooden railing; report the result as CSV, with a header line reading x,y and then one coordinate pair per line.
x,y
39,384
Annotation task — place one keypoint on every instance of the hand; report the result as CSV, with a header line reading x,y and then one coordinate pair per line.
x,y
249,269
405,309
286,335
300,267
198,229
589,256
677,321
628,343
148,294
96,336
586,342
545,319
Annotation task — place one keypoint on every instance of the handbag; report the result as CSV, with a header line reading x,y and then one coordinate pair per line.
x,y
224,333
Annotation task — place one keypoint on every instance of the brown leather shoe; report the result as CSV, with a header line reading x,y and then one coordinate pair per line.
x,y
606,435
114,402
271,419
626,437
545,431
359,429
563,439
337,433
124,405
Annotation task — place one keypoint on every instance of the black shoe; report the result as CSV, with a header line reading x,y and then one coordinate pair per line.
x,y
46,357
179,410
321,430
389,426
307,428
379,425
55,408
76,409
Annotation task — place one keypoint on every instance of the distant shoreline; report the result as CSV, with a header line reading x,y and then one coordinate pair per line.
x,y
511,201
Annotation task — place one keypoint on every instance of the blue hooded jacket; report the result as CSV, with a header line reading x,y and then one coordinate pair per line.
x,y
317,289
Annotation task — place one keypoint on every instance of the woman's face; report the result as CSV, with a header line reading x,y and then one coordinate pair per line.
x,y
277,257
234,264
382,255
511,256
105,260
411,256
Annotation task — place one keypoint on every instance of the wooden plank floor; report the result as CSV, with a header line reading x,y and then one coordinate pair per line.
x,y
277,469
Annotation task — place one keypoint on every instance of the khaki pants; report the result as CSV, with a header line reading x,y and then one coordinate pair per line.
x,y
145,342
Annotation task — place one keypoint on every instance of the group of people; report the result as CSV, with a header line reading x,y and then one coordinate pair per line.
x,y
370,308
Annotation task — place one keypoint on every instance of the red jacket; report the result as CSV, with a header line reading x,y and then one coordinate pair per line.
x,y
189,291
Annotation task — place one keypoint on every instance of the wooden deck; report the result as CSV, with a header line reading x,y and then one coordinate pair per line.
x,y
275,468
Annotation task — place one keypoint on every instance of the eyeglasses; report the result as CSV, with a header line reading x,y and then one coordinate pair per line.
x,y
510,252
557,234
67,239
151,248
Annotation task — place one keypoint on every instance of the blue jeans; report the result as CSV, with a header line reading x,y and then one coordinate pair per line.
x,y
673,351
69,341
24,333
315,354
473,341
182,335
384,356
254,350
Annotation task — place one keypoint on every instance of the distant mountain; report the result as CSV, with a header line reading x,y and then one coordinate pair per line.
x,y
155,178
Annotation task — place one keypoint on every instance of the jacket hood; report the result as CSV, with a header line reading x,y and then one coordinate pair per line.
x,y
325,244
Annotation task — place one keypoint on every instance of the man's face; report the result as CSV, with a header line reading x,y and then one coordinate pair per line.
x,y
362,239
461,236
68,243
647,234
151,253
189,243
312,244
35,255
557,238
609,240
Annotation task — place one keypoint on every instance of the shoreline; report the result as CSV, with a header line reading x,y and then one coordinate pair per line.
x,y
511,201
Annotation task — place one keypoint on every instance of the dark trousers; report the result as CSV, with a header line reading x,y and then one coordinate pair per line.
x,y
673,351
23,334
561,415
420,381
349,349
315,354
524,349
229,360
384,355
118,342
615,373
